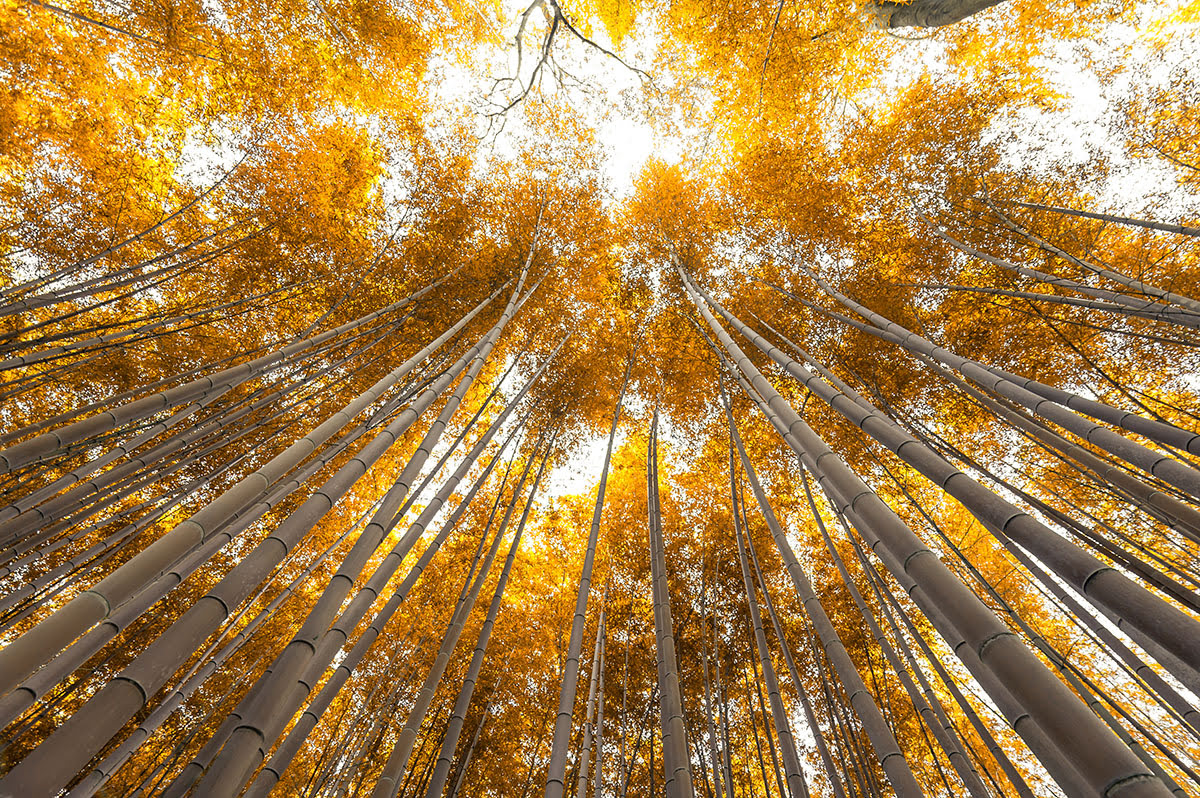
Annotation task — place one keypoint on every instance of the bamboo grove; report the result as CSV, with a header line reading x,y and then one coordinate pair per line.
x,y
360,439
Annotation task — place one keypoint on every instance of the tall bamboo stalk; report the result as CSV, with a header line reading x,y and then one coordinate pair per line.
x,y
676,760
1102,758
556,770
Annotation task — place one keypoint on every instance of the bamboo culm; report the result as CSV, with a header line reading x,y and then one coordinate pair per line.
x,y
676,759
394,768
1106,761
26,653
1102,584
234,760
556,769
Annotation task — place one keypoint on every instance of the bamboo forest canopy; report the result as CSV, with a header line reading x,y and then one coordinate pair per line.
x,y
610,399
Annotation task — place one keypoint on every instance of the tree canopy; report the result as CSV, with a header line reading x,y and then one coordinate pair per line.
x,y
600,398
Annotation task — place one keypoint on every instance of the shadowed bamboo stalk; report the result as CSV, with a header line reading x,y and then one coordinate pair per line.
x,y
1147,307
797,787
598,771
882,740
585,750
31,504
1147,224
1110,274
676,759
397,762
925,702
1021,721
129,691
124,396
1170,470
127,336
123,277
326,648
884,599
465,765
441,771
813,727
1103,759
718,783
234,762
1146,571
1102,584
331,641
239,523
1144,310
1178,515
78,652
316,709
28,652
1186,711
206,665
83,410
1048,753
30,501
1064,666
45,445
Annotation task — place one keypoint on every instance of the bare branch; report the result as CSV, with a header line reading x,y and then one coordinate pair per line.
x,y
767,58
571,27
557,19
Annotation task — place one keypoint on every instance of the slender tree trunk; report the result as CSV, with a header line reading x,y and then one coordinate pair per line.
x,y
1105,217
43,446
119,618
1033,396
676,761
1107,587
1109,274
556,771
930,710
752,715
333,639
123,696
585,750
1143,310
441,771
797,787
708,716
337,635
813,726
397,761
234,763
882,740
204,668
24,655
598,774
1021,721
466,760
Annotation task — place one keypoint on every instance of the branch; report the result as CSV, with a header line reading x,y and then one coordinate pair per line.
x,y
98,23
571,27
547,45
557,19
762,79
